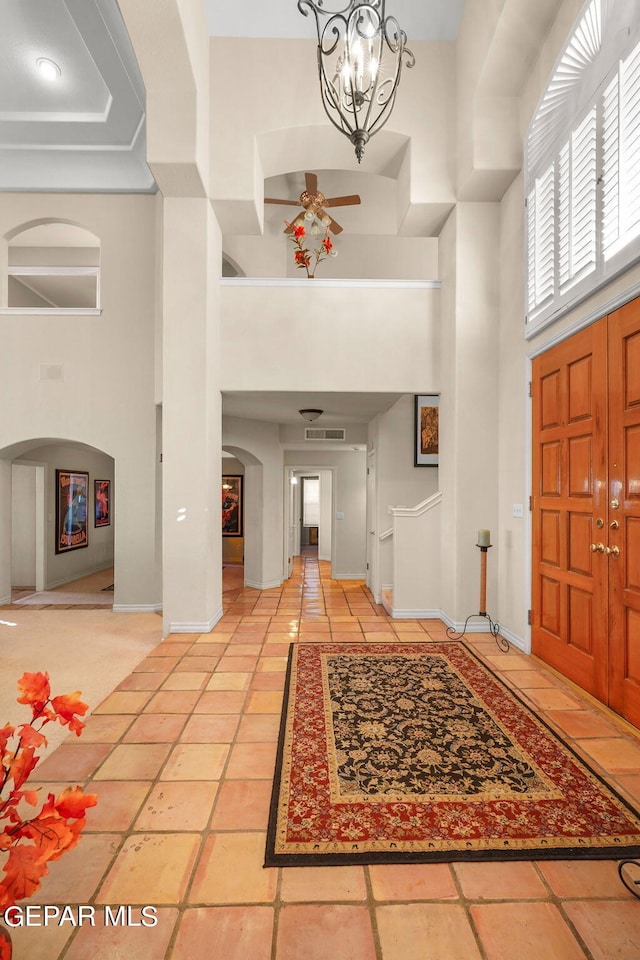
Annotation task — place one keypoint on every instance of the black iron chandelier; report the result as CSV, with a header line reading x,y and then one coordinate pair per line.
x,y
361,53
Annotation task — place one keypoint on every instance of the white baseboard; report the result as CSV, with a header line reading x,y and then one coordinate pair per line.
x,y
193,626
513,639
415,614
5,600
263,585
362,575
137,607
480,625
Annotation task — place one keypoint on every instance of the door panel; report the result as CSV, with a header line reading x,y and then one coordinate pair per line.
x,y
624,466
586,509
569,615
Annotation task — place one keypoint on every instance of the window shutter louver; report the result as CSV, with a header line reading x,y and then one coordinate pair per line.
x,y
610,166
577,222
630,145
531,251
545,245
564,215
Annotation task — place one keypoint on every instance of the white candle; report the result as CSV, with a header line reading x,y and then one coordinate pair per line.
x,y
484,538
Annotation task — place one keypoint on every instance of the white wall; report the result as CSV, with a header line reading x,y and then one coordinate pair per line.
x,y
398,481
257,444
106,397
312,337
469,404
358,256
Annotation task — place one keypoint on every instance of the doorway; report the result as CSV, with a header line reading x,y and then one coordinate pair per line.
x,y
308,514
586,509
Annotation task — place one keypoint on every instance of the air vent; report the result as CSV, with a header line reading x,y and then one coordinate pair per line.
x,y
321,433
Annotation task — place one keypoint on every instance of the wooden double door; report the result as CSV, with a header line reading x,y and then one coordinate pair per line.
x,y
586,509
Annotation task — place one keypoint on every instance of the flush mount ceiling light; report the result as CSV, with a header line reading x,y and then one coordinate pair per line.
x,y
310,415
360,57
48,69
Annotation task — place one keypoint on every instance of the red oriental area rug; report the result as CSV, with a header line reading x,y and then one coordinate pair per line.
x,y
396,752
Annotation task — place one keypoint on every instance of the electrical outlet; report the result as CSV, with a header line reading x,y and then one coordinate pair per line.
x,y
518,510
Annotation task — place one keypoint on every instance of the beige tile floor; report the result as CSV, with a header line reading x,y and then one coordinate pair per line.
x,y
181,756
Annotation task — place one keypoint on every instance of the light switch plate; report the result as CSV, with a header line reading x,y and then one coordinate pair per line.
x,y
518,510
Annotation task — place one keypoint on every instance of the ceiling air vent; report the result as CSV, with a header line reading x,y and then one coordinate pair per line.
x,y
321,433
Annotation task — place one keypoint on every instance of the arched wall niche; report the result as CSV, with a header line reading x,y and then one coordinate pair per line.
x,y
51,265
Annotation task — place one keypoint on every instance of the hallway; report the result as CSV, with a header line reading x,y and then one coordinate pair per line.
x,y
181,755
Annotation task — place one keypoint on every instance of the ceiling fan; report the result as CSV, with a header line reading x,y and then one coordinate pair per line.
x,y
314,203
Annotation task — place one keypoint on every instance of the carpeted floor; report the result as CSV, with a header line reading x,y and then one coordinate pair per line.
x,y
396,752
59,598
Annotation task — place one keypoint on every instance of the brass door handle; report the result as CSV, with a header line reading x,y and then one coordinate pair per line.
x,y
597,548
614,525
614,551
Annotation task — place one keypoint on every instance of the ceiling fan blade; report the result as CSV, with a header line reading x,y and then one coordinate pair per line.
x,y
289,203
343,201
328,222
311,182
295,223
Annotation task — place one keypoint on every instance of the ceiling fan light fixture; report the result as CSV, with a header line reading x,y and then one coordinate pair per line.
x,y
361,52
310,414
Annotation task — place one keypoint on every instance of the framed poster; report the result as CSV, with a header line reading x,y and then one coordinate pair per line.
x,y
102,503
232,506
426,431
72,499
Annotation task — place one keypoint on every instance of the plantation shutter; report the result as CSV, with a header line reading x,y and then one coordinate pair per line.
x,y
311,502
577,220
621,145
541,245
582,156
611,167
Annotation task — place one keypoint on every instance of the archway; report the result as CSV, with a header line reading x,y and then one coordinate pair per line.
x,y
57,522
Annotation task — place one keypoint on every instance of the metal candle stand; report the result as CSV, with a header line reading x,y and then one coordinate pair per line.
x,y
494,626
633,886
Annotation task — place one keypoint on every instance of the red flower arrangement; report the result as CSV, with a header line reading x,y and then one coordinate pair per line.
x,y
304,258
28,844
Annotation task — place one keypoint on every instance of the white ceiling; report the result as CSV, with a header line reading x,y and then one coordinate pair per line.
x,y
85,131
420,19
88,125
339,409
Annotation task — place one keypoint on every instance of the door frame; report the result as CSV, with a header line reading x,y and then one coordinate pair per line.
x,y
290,507
40,507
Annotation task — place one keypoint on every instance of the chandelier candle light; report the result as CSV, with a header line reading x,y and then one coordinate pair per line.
x,y
361,52
484,543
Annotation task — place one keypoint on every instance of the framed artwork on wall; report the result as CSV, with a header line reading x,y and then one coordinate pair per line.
x,y
426,436
232,506
72,500
102,503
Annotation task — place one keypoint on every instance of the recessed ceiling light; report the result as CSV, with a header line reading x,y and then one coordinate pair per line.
x,y
48,69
